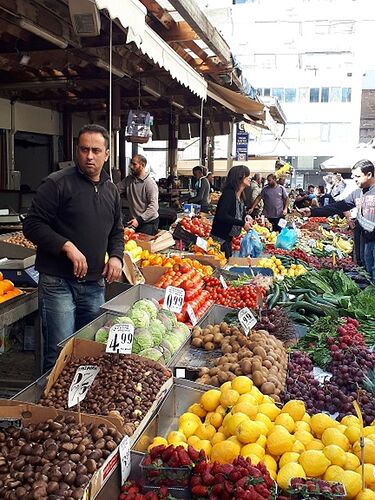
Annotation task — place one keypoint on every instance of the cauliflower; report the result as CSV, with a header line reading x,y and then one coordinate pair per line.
x,y
139,317
142,340
184,328
157,330
102,335
151,353
122,320
148,306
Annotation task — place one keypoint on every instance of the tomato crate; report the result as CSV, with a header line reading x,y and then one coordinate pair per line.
x,y
161,475
173,492
314,488
180,233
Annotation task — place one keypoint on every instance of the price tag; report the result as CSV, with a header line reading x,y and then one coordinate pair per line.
x,y
222,281
201,243
120,339
329,248
191,314
83,378
174,299
10,422
320,375
124,449
247,319
282,223
340,255
180,373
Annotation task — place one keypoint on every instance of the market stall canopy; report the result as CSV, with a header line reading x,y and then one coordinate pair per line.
x,y
345,161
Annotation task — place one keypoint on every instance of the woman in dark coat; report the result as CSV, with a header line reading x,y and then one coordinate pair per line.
x,y
230,213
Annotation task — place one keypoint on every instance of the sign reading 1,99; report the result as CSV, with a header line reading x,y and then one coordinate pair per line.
x,y
174,299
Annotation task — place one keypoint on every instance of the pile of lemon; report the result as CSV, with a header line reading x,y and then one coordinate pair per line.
x,y
279,269
239,420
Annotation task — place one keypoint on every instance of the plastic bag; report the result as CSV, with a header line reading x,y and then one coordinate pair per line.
x,y
287,239
251,246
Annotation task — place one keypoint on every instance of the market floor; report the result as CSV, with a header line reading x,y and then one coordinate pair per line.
x,y
17,370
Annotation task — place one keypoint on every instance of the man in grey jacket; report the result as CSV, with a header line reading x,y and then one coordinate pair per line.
x,y
142,195
202,189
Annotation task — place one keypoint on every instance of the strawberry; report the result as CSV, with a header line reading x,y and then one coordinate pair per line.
x,y
219,478
208,479
147,460
167,453
183,456
156,451
217,489
200,491
163,491
235,475
195,480
225,468
193,454
174,460
228,486
201,467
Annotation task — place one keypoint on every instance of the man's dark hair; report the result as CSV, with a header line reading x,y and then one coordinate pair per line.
x,y
93,128
198,169
271,176
310,186
236,175
366,167
141,158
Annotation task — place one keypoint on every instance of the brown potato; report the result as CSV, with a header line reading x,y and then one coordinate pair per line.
x,y
197,342
209,346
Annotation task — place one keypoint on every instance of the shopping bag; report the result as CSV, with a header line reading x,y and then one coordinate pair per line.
x,y
286,239
251,246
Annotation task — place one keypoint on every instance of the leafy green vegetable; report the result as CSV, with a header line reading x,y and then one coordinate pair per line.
x,y
148,306
362,305
151,353
165,320
139,317
121,320
142,340
184,328
157,330
102,335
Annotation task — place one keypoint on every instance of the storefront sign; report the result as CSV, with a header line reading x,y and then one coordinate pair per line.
x,y
242,143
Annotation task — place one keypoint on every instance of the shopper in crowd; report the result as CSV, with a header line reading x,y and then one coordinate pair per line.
x,y
230,213
363,198
202,189
338,186
74,219
275,200
210,179
252,192
142,194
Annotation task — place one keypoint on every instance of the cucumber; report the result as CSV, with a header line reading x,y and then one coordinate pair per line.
x,y
298,291
308,308
269,298
283,297
275,297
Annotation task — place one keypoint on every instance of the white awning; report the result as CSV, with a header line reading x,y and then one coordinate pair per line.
x,y
162,54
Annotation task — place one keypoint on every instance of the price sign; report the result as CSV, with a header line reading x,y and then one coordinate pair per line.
x,y
120,339
223,283
340,255
83,378
191,314
247,319
201,243
174,299
10,422
124,449
282,223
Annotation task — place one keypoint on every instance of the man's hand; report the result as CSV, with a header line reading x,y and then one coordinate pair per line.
x,y
285,211
306,212
112,270
77,258
133,223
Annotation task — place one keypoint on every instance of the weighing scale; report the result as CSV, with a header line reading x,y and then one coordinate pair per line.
x,y
17,264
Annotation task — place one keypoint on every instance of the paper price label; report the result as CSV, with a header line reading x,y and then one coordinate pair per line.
x,y
247,319
282,223
120,339
83,378
192,315
340,255
223,283
174,299
201,243
124,449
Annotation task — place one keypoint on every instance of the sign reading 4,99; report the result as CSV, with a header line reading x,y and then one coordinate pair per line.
x,y
120,339
247,319
174,299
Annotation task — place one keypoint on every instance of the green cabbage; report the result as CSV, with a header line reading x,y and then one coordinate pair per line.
x,y
102,335
179,334
167,355
142,340
148,306
167,346
165,320
173,341
139,317
122,320
184,328
151,353
171,316
157,330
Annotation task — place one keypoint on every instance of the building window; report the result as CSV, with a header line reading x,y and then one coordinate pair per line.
x,y
290,95
303,94
279,93
346,94
266,92
335,94
324,96
314,95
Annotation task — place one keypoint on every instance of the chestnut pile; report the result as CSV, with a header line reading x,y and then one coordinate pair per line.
x,y
125,384
52,460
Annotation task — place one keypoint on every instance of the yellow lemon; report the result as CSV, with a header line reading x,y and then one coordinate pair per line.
x,y
225,452
220,409
369,429
248,398
255,392
247,431
188,427
270,410
332,472
366,494
279,441
253,449
266,420
287,472
314,463
242,384
369,454
306,418
304,436
353,433
204,445
233,421
288,457
247,408
253,458
228,398
335,454
352,462
352,482
193,441
369,474
262,440
270,462
334,436
218,437
157,441
268,399
298,447
295,408
175,437
210,400
234,439
349,420
263,429
226,386
302,426
216,419
315,444
189,417
197,409
286,421
205,431
342,428
320,422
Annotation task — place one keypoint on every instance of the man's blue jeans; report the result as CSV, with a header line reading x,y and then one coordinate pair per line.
x,y
369,256
65,306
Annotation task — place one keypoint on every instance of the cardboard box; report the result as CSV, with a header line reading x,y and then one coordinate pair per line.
x,y
161,241
82,348
242,261
207,260
28,413
131,271
152,274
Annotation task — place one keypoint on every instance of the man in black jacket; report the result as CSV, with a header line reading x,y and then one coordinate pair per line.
x,y
75,218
